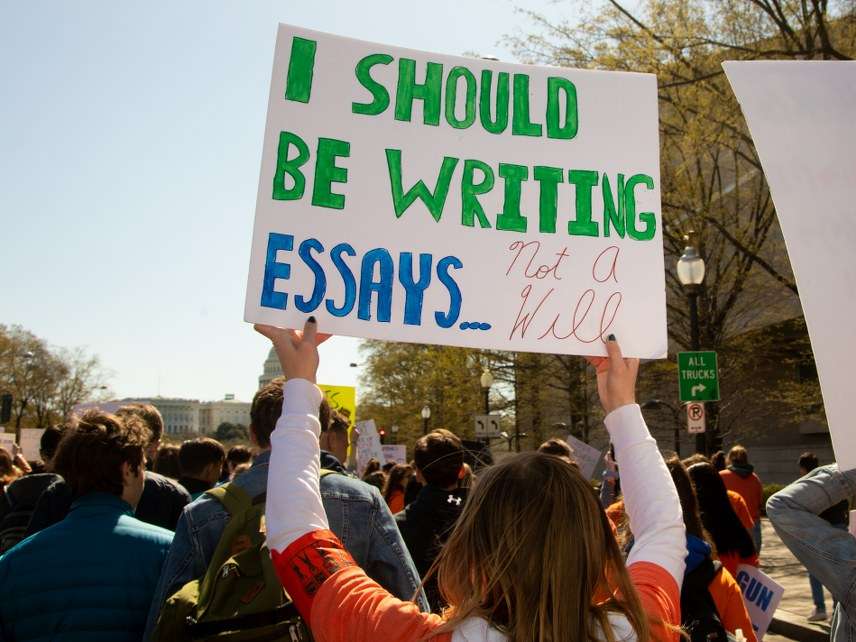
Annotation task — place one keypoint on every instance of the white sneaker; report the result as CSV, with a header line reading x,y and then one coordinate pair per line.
x,y
817,616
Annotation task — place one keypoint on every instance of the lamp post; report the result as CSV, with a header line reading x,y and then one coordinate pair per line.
x,y
690,270
426,415
486,382
656,404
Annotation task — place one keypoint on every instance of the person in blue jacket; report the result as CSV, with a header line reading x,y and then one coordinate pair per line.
x,y
92,575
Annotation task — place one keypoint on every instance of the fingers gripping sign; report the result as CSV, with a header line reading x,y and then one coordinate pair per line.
x,y
297,351
616,377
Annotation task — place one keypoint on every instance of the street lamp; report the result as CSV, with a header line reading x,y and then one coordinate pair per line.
x,y
486,383
29,357
656,404
690,270
426,415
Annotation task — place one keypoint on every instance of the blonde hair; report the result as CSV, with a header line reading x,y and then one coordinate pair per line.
x,y
534,555
737,455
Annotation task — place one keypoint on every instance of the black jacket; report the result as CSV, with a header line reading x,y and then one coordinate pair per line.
x,y
160,504
17,503
425,526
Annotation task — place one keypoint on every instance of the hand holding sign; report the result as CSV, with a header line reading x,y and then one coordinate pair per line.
x,y
616,377
297,351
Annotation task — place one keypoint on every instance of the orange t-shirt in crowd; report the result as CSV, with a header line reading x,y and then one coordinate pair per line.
x,y
728,598
749,488
396,501
742,510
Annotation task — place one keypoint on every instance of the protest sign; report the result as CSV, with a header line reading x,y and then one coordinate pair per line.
x,y
368,445
420,197
394,453
587,457
31,439
800,115
761,595
7,441
342,399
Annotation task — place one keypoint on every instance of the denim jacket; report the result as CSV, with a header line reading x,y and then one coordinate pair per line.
x,y
827,552
357,514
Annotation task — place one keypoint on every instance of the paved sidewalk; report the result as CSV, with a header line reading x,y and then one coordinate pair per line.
x,y
778,562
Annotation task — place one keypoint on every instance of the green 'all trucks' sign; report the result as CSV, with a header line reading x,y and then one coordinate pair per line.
x,y
698,376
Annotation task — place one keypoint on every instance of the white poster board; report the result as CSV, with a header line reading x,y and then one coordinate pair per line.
x,y
31,439
420,197
7,441
587,457
394,453
368,445
761,594
801,118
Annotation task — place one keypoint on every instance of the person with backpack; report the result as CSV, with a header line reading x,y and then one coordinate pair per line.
x,y
531,557
712,604
92,575
356,511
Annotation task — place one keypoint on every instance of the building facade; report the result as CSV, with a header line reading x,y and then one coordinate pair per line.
x,y
228,410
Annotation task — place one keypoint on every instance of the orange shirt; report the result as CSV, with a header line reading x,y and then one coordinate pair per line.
x,y
342,604
396,501
742,510
729,603
749,488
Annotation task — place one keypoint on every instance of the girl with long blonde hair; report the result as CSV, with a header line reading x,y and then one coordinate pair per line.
x,y
532,557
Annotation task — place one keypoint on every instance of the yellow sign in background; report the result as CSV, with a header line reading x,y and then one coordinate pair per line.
x,y
342,399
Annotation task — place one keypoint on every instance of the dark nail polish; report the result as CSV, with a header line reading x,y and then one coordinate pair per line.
x,y
312,320
611,337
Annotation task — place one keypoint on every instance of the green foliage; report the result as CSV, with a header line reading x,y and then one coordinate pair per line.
x,y
45,382
401,378
769,491
229,432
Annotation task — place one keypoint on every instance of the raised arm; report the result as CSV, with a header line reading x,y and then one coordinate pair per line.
x,y
310,561
827,552
656,562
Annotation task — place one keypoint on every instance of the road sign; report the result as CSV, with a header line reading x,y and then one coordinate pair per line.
x,y
698,376
695,418
487,426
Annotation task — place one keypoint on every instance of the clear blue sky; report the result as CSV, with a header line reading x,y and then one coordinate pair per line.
x,y
130,142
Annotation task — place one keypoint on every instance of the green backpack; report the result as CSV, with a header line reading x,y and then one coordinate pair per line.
x,y
240,597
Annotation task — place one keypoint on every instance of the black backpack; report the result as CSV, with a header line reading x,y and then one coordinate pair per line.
x,y
699,615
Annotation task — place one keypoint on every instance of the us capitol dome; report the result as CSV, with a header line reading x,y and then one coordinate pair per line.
x,y
271,369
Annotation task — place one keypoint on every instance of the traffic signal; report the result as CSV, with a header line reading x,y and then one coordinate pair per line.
x,y
382,434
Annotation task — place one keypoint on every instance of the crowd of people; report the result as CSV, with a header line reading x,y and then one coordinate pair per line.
x,y
115,535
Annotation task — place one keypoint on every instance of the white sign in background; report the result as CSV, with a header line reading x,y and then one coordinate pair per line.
x,y
800,115
761,595
7,441
587,457
341,253
368,445
31,440
394,453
